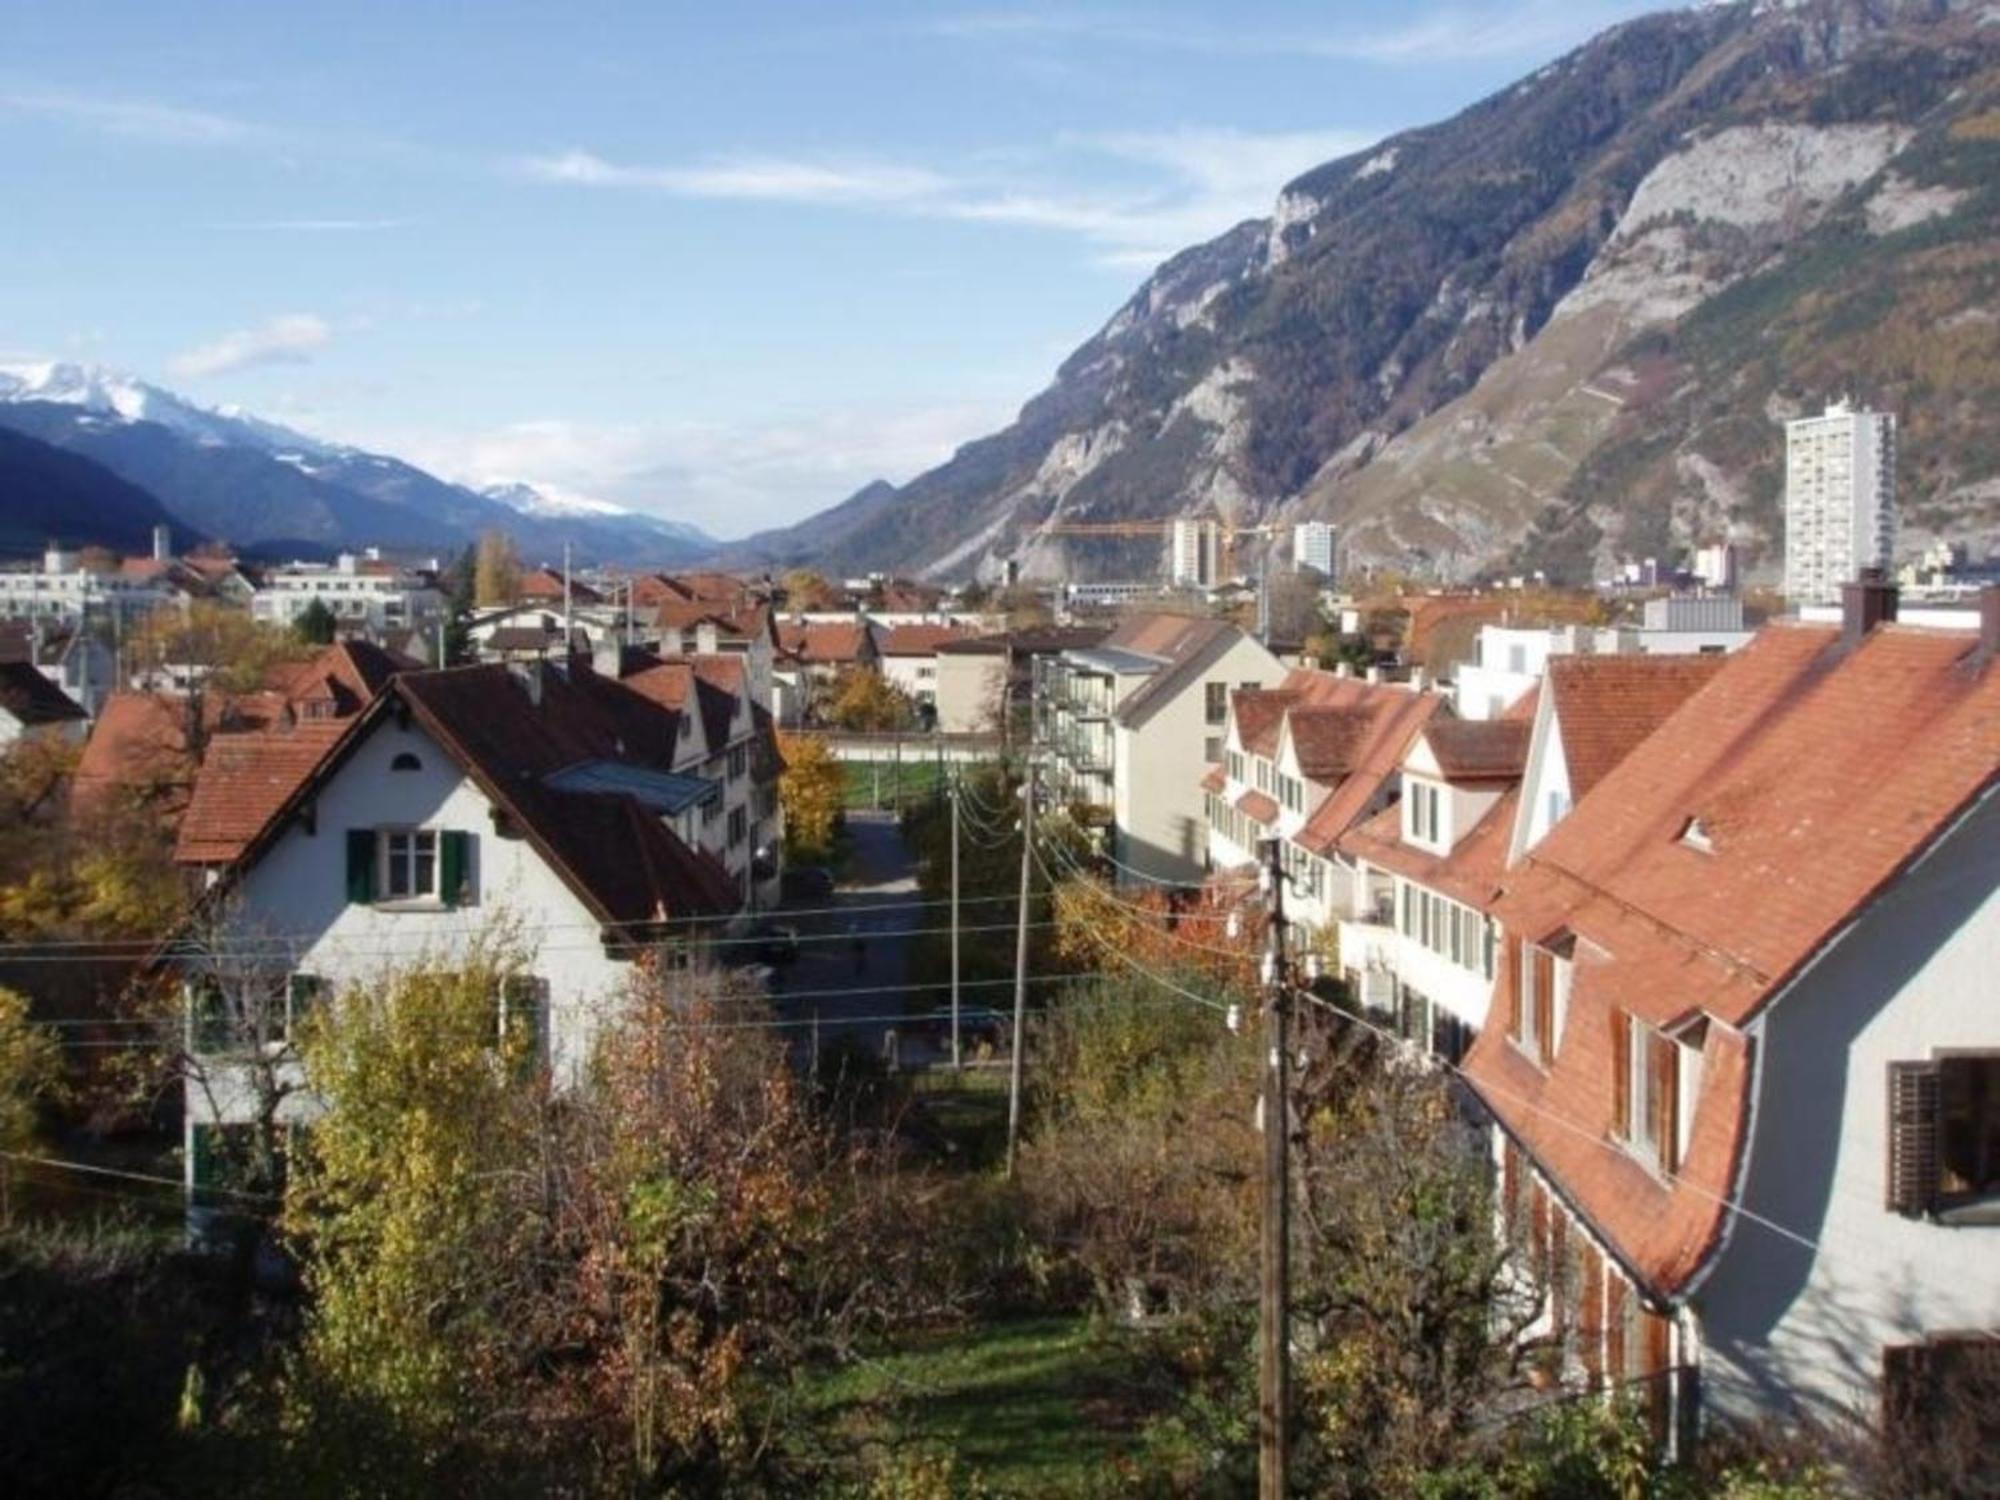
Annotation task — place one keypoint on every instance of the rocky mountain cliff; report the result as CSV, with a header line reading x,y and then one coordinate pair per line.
x,y
1561,327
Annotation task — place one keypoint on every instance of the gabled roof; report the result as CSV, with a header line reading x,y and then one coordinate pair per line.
x,y
1476,750
1471,873
33,699
1818,772
343,679
1260,714
545,585
1185,648
1606,705
1350,735
244,779
825,643
918,640
512,733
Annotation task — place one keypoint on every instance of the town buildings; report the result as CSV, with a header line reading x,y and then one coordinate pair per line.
x,y
364,592
1840,500
1194,553
1133,723
31,706
1510,659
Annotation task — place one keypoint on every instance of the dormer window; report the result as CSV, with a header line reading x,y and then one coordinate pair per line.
x,y
1646,1080
1694,836
1423,819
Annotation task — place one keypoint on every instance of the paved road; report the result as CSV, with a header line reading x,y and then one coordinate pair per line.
x,y
858,985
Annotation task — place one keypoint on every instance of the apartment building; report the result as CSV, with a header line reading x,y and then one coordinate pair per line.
x,y
1511,659
1840,500
1132,724
1312,547
365,593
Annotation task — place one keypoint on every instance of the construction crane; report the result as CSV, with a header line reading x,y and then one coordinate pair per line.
x,y
1227,532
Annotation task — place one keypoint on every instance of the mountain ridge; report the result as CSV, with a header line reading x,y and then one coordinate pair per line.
x,y
1313,363
227,474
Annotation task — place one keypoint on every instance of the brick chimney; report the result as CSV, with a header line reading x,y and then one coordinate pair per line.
x,y
1865,603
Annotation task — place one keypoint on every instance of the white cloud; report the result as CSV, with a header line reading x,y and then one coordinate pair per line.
x,y
774,179
1127,195
137,119
290,339
728,478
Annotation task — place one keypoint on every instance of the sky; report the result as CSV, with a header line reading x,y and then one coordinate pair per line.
x,y
727,263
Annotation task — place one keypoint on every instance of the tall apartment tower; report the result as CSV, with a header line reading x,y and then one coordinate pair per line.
x,y
1312,547
1840,500
1194,553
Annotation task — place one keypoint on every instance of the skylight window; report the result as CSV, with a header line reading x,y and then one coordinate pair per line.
x,y
1694,836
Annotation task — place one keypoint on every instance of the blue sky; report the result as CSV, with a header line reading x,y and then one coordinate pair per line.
x,y
727,262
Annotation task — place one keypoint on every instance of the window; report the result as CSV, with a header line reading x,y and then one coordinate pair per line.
x,y
1944,1135
1535,1000
1941,1407
739,762
1647,1090
521,1019
738,827
409,864
303,995
1216,701
404,761
1424,817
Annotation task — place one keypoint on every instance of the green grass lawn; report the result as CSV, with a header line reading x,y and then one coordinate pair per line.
x,y
886,783
1034,1407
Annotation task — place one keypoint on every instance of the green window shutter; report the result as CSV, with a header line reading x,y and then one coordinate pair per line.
x,y
454,866
360,864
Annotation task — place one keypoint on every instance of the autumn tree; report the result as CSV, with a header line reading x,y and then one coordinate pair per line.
x,y
496,572
219,646
808,590
864,701
30,1071
812,790
407,1213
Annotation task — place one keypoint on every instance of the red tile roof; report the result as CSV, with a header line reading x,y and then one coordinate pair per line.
x,y
1260,713
244,779
919,640
1471,873
1350,736
1605,705
825,643
1817,773
1474,750
1215,779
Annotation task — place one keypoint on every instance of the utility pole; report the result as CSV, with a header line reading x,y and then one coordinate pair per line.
x,y
957,1059
1021,963
1274,1288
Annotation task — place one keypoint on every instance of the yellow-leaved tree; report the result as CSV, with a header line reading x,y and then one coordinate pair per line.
x,y
30,1071
496,570
406,1215
812,790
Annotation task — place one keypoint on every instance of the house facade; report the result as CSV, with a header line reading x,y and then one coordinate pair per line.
x,y
1743,1072
530,805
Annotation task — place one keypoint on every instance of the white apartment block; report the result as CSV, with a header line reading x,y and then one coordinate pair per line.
x,y
1840,500
1312,546
1194,554
1513,658
363,593
63,588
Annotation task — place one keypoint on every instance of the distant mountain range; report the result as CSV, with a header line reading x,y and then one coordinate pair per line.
x,y
1560,328
263,487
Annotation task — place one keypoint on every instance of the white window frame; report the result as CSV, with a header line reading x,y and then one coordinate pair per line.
x,y
387,860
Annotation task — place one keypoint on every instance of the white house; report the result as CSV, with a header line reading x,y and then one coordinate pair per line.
x,y
1304,762
534,801
1742,1062
909,659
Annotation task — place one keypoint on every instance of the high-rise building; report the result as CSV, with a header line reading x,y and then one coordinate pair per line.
x,y
1840,500
1312,547
1715,565
1193,553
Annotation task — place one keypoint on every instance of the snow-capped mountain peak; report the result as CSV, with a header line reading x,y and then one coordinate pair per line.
x,y
548,500
115,394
